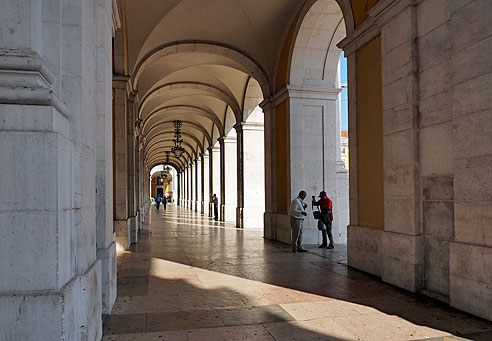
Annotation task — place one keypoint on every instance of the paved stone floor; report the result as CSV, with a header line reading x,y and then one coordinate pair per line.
x,y
190,278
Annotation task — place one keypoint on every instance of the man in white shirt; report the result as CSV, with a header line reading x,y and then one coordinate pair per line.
x,y
297,212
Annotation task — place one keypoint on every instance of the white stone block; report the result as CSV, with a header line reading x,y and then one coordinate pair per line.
x,y
364,248
471,23
397,31
436,109
432,14
472,179
436,150
399,215
471,278
438,219
472,134
434,48
472,223
434,80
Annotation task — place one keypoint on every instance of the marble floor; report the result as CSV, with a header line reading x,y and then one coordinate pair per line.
x,y
190,278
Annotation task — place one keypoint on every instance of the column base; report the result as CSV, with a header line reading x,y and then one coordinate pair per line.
x,y
107,257
123,240
364,248
202,207
239,217
69,313
222,212
132,229
470,282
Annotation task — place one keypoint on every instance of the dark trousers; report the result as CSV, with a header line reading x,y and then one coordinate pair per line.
x,y
157,204
328,223
329,233
164,204
216,212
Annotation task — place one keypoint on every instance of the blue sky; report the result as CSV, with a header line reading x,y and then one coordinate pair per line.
x,y
343,78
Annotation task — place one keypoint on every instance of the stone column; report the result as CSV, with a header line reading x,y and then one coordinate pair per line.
x,y
316,164
222,178
230,176
130,196
270,168
120,164
253,175
196,185
105,238
137,187
202,183
185,187
51,166
307,158
210,180
192,184
240,175
216,175
189,187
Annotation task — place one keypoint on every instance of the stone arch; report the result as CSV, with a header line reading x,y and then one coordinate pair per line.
x,y
208,89
191,108
243,62
192,124
149,141
314,57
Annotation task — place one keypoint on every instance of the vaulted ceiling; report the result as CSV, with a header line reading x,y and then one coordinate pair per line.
x,y
200,61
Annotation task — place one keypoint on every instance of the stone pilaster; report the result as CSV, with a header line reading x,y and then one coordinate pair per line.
x,y
130,195
216,175
120,164
230,177
222,178
202,183
240,175
197,185
270,140
253,175
210,180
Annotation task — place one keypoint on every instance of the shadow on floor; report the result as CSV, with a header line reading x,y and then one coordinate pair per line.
x,y
166,283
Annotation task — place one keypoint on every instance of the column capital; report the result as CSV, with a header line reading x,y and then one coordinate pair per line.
x,y
221,140
132,95
238,127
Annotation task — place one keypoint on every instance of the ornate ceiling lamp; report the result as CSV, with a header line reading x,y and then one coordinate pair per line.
x,y
177,150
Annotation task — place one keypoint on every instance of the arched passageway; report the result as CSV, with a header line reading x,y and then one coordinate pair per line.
x,y
95,94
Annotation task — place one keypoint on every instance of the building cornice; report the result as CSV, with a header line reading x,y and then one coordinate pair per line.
x,y
383,11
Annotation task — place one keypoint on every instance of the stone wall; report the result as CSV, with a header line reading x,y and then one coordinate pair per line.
x,y
57,250
436,143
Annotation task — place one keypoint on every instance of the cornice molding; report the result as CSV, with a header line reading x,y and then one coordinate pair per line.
x,y
25,79
378,16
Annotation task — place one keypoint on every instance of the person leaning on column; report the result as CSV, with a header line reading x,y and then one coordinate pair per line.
x,y
297,212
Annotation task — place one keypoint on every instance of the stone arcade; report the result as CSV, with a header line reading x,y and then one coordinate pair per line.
x,y
90,90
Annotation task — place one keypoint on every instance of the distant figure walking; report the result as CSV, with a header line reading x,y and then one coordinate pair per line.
x,y
164,202
326,218
158,201
297,212
215,202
